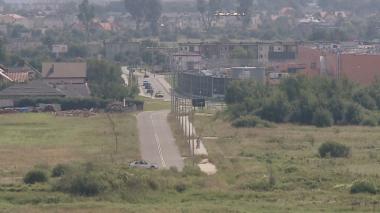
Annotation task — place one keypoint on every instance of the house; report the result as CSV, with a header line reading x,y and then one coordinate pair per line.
x,y
17,74
64,73
32,89
70,79
20,74
15,19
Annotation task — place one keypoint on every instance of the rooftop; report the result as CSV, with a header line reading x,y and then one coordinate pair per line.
x,y
36,88
64,70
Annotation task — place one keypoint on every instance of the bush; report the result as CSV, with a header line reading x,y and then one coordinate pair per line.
x,y
262,186
83,184
333,149
370,121
71,103
35,176
354,114
59,170
191,171
246,121
180,187
363,187
322,118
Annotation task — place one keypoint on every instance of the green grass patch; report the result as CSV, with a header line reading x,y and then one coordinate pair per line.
x,y
154,104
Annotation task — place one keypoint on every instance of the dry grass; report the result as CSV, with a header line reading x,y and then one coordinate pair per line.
x,y
179,136
43,139
243,156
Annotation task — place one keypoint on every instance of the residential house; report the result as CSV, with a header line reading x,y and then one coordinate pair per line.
x,y
15,19
17,74
64,73
32,89
68,78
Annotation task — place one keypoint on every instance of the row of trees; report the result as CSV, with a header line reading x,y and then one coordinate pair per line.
x,y
317,101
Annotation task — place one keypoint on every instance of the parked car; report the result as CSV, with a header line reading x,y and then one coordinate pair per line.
x,y
148,86
146,75
159,94
143,164
145,82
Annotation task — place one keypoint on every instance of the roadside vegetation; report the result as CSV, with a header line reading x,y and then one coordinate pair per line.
x,y
322,102
45,140
154,104
297,168
70,164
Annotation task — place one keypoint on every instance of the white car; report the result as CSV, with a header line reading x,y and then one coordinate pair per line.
x,y
143,164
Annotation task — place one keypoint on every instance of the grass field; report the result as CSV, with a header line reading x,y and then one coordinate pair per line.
x,y
245,158
303,181
28,140
154,104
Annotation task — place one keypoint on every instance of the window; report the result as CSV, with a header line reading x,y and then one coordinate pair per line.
x,y
313,65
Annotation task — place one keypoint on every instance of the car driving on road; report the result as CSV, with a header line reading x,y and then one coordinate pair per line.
x,y
159,94
143,164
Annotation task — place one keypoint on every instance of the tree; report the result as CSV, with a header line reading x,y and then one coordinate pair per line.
x,y
153,14
145,11
136,10
207,11
105,81
245,8
86,14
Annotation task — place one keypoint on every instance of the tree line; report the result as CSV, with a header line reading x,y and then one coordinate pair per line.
x,y
312,101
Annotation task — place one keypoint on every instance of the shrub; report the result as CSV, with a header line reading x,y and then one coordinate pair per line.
x,y
363,187
153,185
71,103
59,170
354,114
246,121
35,176
322,118
369,121
191,171
261,186
83,184
180,187
333,149
290,169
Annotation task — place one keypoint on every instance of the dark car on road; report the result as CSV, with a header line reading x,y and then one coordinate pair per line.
x,y
143,164
159,94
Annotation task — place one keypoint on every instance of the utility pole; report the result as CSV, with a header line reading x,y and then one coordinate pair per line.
x,y
193,146
186,124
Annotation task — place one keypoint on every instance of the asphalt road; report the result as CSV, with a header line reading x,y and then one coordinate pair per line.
x,y
157,144
157,85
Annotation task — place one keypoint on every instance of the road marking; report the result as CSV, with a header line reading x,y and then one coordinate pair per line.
x,y
158,143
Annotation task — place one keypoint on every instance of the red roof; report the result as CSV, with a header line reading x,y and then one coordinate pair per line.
x,y
18,77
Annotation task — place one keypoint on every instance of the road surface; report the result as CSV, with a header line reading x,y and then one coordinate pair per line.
x,y
158,83
157,144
